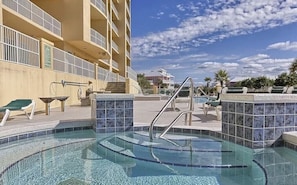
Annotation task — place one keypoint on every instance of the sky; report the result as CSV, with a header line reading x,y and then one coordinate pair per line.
x,y
247,38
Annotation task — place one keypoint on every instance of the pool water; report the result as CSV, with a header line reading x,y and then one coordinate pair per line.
x,y
85,158
201,99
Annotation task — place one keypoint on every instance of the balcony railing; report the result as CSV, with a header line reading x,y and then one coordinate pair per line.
x,y
128,53
19,48
97,38
131,73
35,14
100,5
115,46
105,75
68,63
115,64
114,9
115,28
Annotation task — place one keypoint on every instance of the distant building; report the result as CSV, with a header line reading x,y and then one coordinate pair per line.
x,y
161,75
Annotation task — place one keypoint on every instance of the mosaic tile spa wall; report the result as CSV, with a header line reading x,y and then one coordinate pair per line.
x,y
257,125
112,113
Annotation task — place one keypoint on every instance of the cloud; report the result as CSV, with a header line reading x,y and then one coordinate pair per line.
x,y
284,46
254,58
216,23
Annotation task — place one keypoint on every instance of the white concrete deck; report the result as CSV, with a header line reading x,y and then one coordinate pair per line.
x,y
144,113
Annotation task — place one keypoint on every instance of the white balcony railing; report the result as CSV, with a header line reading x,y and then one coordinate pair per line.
x,y
132,74
18,48
100,5
35,14
128,53
97,38
115,46
114,9
115,64
68,63
105,75
115,28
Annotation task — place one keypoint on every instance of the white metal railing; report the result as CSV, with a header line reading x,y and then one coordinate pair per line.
x,y
115,28
132,74
97,38
115,64
100,5
128,53
106,75
105,61
68,63
19,48
114,9
35,14
128,38
128,9
122,79
115,46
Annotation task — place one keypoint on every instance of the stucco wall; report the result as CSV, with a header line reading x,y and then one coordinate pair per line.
x,y
21,81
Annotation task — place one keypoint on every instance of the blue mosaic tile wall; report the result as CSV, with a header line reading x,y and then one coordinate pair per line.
x,y
257,125
112,115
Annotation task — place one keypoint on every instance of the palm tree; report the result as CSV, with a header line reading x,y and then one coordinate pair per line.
x,y
142,81
222,76
293,67
207,80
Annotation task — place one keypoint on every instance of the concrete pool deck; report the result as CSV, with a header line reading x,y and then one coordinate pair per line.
x,y
144,113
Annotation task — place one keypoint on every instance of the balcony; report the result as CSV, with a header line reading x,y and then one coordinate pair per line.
x,y
115,64
115,47
98,38
100,5
35,14
115,10
115,29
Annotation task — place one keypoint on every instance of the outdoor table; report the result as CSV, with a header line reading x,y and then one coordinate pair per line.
x,y
47,101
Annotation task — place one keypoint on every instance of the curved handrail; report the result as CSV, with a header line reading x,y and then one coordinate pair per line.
x,y
170,100
173,122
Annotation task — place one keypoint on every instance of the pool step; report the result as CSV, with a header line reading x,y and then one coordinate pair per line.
x,y
155,152
116,148
136,141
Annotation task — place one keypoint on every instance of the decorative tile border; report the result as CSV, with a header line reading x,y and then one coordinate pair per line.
x,y
18,137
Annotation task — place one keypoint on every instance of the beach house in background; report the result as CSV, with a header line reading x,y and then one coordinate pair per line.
x,y
46,42
161,79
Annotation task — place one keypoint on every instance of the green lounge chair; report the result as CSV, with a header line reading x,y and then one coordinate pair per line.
x,y
215,104
17,105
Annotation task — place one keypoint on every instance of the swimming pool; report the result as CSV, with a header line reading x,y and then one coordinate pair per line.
x,y
84,157
200,99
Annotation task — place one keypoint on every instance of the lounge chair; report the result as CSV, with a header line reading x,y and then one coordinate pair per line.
x,y
216,103
17,105
278,89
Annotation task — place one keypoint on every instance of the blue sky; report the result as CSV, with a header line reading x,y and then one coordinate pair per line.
x,y
247,38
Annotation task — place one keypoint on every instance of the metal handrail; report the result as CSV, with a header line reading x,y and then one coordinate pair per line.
x,y
202,92
169,101
173,122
